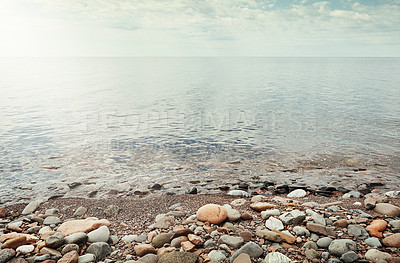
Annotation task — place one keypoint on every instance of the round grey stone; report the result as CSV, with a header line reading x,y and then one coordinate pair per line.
x,y
99,249
217,256
76,238
6,255
69,247
324,242
349,257
55,240
87,258
51,220
373,242
102,234
234,242
340,246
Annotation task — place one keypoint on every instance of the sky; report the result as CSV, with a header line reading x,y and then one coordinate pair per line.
x,y
270,28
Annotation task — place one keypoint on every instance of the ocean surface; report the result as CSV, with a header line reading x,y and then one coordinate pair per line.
x,y
110,126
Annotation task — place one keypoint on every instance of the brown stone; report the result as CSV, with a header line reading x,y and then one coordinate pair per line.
x,y
392,241
143,249
262,206
29,238
70,257
15,242
182,231
246,216
285,237
320,229
212,213
51,252
188,246
14,228
247,236
2,212
369,203
17,260
242,258
164,250
387,209
342,223
75,226
176,242
195,239
393,260
377,227
49,261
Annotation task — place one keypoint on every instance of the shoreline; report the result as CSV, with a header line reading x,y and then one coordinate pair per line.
x,y
133,216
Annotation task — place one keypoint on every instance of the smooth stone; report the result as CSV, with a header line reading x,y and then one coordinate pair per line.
x,y
70,257
294,217
262,206
99,249
75,226
178,257
31,207
54,254
210,243
212,213
311,204
376,227
143,249
15,242
80,211
238,202
324,242
320,229
349,257
42,258
268,213
176,242
387,209
217,256
340,246
233,215
395,225
25,249
297,193
325,255
111,211
273,223
149,258
373,242
276,257
76,238
312,254
352,194
234,242
269,235
242,258
250,248
375,255
161,239
69,247
102,234
309,244
301,231
55,240
358,231
392,240
239,193
6,255
51,220
87,258
319,219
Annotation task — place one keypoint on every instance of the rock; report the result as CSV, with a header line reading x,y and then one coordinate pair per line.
x,y
87,258
340,246
17,260
99,249
239,193
54,254
176,242
31,207
178,257
311,204
163,221
80,211
286,237
309,244
349,257
301,231
251,248
238,202
262,206
143,249
242,258
217,256
234,242
395,225
297,193
69,247
25,249
156,186
387,209
316,217
362,213
214,214
320,229
75,226
358,231
192,190
273,223
276,257
294,217
188,246
2,212
246,216
369,203
149,258
342,223
375,255
112,210
76,238
6,255
324,242
373,242
51,220
392,241
268,213
376,227
195,239
352,194
312,254
233,214
269,235
102,234
55,240
70,257
246,235
161,239
15,242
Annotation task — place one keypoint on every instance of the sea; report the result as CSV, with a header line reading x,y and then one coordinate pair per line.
x,y
99,127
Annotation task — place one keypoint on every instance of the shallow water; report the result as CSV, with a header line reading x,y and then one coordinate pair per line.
x,y
124,123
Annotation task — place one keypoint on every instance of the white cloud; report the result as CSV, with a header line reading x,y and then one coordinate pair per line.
x,y
189,27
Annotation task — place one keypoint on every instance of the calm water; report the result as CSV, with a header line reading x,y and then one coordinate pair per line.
x,y
135,121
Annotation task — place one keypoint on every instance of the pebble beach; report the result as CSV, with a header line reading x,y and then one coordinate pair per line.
x,y
276,223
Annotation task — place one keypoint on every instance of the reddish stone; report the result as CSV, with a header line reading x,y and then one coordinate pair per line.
x,y
143,249
75,226
212,213
262,206
247,236
182,231
188,246
377,227
195,239
285,237
392,240
2,212
342,223
70,257
15,242
246,216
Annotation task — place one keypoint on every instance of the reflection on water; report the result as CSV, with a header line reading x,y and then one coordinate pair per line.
x,y
140,120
